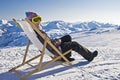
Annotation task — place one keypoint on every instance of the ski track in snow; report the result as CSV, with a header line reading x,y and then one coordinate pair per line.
x,y
106,66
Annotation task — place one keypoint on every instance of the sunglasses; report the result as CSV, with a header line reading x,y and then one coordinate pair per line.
x,y
36,19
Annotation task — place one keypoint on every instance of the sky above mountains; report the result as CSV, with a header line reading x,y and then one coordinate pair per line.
x,y
66,10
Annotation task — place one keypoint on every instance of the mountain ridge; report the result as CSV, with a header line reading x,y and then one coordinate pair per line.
x,y
12,35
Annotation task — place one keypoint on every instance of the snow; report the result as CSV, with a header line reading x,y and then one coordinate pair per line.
x,y
105,39
4,21
1,32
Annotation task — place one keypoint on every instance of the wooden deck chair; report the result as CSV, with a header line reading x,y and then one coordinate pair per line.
x,y
29,28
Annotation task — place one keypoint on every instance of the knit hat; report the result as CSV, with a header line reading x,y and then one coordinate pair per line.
x,y
30,15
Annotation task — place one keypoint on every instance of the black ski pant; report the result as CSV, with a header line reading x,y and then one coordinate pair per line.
x,y
67,44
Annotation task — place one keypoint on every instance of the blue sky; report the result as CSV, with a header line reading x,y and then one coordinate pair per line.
x,y
66,10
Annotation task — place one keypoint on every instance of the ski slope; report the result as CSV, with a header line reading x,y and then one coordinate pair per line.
x,y
106,66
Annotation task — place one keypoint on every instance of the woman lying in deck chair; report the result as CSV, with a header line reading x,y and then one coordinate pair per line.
x,y
64,43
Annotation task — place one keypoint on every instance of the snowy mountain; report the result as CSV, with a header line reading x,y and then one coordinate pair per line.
x,y
68,28
12,35
103,37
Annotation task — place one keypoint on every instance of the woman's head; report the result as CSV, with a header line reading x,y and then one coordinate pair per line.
x,y
33,17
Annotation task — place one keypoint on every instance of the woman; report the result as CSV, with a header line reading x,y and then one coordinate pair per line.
x,y
64,43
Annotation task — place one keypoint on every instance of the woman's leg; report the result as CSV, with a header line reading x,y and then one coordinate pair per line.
x,y
78,48
66,38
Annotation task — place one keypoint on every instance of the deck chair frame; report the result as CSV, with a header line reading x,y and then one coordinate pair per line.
x,y
41,55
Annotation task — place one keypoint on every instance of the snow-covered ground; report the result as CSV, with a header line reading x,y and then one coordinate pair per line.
x,y
106,66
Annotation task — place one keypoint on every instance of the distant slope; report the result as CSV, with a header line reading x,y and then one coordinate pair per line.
x,y
12,35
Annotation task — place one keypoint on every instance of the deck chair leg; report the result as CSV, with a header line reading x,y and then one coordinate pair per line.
x,y
42,54
42,66
57,58
28,44
24,63
40,63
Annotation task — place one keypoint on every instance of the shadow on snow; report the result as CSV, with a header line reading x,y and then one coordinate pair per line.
x,y
13,76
